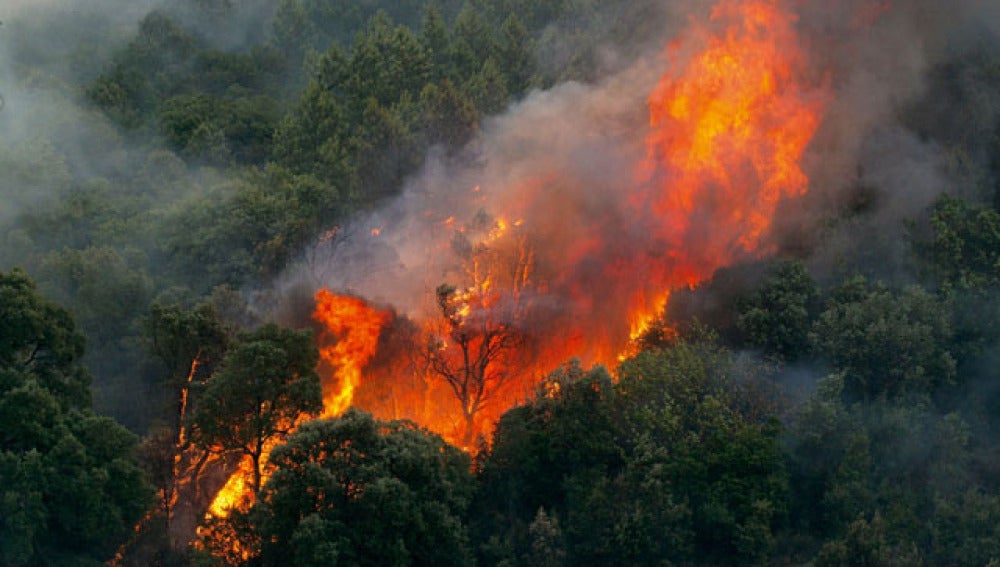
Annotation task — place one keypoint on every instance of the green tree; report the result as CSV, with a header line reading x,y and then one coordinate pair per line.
x,y
384,151
294,32
516,54
886,344
39,341
676,463
248,228
27,170
966,530
568,429
488,88
472,40
145,68
448,117
887,480
387,63
964,251
354,490
698,433
266,383
311,138
866,543
777,317
547,548
70,489
105,290
436,40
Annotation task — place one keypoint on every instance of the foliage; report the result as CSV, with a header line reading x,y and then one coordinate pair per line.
x,y
778,315
964,251
887,344
71,489
247,228
885,481
667,465
716,455
354,490
39,342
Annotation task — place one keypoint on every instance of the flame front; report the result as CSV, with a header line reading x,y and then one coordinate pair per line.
x,y
728,124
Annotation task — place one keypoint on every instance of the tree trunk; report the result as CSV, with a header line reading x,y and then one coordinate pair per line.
x,y
256,475
470,429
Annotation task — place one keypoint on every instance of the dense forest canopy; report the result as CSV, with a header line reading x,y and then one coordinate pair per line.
x,y
178,179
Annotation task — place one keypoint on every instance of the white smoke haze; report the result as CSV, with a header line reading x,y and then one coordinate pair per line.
x,y
46,49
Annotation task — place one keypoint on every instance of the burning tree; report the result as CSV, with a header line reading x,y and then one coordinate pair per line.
x,y
188,342
474,343
471,348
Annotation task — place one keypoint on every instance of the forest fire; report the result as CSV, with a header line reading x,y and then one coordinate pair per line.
x,y
524,289
728,124
728,131
686,282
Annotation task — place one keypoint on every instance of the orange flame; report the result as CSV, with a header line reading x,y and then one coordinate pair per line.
x,y
727,133
355,326
236,493
728,125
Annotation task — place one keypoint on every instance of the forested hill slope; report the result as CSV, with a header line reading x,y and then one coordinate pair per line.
x,y
165,165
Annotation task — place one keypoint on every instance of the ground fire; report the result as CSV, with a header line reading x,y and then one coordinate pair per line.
x,y
728,123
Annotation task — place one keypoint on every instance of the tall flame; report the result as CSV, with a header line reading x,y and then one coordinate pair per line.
x,y
355,328
728,130
729,122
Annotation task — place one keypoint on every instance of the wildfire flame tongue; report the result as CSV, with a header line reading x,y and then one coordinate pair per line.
x,y
356,327
727,132
729,129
